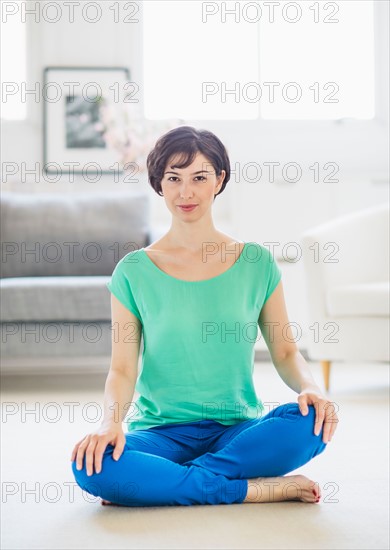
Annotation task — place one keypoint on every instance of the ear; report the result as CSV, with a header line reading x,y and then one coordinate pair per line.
x,y
221,179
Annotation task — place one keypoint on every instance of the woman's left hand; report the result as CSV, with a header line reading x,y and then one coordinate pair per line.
x,y
325,412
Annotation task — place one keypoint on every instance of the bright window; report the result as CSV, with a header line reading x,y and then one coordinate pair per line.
x,y
13,68
315,55
309,60
191,66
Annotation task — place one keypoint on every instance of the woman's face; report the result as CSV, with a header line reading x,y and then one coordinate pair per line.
x,y
195,185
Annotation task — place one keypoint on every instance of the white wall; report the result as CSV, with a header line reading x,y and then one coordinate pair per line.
x,y
261,211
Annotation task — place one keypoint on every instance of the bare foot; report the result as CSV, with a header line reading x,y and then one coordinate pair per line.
x,y
276,489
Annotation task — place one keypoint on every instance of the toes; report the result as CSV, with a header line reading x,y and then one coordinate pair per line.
x,y
315,489
317,496
108,503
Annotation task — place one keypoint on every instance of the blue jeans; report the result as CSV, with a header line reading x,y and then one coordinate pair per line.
x,y
203,462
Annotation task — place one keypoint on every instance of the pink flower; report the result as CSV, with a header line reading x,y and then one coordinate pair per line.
x,y
128,133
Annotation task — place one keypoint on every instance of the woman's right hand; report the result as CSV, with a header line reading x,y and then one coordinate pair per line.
x,y
93,446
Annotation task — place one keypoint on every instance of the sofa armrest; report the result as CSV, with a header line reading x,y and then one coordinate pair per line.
x,y
351,249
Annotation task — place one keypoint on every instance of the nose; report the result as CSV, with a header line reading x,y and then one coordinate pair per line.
x,y
185,190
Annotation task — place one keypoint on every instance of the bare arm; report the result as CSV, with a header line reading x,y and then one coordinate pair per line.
x,y
121,379
286,357
291,365
295,373
119,390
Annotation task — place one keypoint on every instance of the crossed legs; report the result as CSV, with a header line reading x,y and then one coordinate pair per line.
x,y
158,468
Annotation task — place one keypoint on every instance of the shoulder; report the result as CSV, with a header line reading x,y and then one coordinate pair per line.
x,y
254,249
125,264
261,255
158,245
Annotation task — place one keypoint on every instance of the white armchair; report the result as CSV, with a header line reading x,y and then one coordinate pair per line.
x,y
347,285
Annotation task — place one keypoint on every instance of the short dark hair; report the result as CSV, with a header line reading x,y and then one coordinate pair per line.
x,y
186,142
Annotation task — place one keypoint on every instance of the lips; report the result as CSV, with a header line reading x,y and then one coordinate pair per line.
x,y
187,208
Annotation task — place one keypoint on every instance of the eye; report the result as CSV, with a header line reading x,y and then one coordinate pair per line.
x,y
201,177
170,178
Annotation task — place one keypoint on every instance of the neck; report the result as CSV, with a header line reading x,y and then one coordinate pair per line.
x,y
192,237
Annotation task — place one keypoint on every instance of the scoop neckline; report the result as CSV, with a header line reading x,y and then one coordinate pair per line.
x,y
150,261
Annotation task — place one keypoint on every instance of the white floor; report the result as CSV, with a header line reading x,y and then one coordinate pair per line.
x,y
42,507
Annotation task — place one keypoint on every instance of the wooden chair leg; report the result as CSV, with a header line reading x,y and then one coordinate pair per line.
x,y
326,373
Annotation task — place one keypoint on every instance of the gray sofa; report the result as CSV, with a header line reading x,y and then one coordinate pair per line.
x,y
58,252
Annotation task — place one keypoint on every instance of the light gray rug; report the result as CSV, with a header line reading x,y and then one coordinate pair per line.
x,y
42,507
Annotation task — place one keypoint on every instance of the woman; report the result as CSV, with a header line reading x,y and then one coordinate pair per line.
x,y
198,433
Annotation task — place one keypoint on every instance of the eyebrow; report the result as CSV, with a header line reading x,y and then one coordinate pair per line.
x,y
199,172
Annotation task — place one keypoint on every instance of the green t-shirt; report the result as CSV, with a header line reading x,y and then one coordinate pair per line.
x,y
198,336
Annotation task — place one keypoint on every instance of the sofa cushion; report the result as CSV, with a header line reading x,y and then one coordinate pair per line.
x,y
47,234
55,299
42,347
359,300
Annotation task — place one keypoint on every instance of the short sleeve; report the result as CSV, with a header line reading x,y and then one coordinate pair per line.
x,y
274,275
120,287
